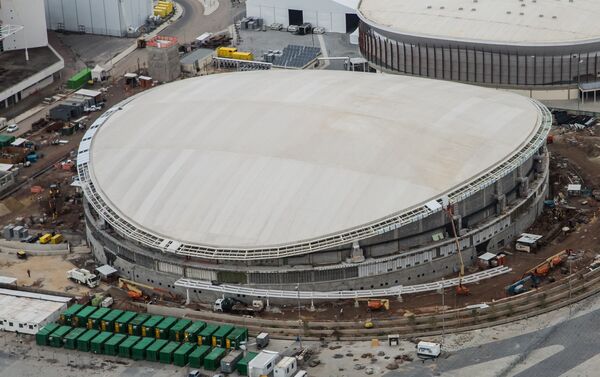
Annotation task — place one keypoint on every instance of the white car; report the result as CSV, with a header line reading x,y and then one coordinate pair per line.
x,y
12,128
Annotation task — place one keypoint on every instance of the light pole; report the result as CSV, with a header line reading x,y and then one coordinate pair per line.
x,y
443,312
299,317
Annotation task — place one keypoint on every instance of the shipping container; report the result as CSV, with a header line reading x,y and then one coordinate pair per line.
x,y
71,339
181,355
135,325
152,352
56,337
94,319
226,52
138,352
97,344
79,79
149,326
176,333
166,354
80,319
83,342
162,330
263,364
286,367
126,346
236,338
122,323
238,55
205,336
65,317
111,347
41,338
196,358
191,333
229,362
212,361
108,322
242,366
219,337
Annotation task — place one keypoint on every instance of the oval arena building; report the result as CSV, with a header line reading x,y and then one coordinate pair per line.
x,y
331,180
534,45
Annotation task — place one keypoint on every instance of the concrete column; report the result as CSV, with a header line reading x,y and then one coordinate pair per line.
x,y
500,204
538,163
523,186
357,253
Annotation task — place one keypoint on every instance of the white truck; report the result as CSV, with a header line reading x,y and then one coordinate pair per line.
x,y
83,276
428,350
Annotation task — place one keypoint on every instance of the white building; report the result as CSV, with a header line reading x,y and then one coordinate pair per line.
x,y
28,312
337,16
104,17
28,14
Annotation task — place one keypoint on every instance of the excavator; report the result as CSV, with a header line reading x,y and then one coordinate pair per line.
x,y
461,289
134,291
533,276
374,304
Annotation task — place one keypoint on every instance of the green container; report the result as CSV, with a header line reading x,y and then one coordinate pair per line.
x,y
108,322
166,353
126,346
220,336
121,324
149,327
242,366
197,356
56,337
79,79
71,338
138,352
65,317
94,321
81,318
6,140
111,347
135,325
236,337
163,328
97,344
41,338
181,355
177,331
212,361
83,342
152,352
205,336
191,333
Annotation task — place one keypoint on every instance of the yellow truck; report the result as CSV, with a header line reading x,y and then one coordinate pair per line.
x,y
45,238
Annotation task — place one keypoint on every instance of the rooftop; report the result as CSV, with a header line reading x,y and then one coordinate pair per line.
x,y
309,154
26,309
491,21
14,68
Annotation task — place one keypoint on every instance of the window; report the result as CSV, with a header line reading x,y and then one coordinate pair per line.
x,y
30,327
10,324
20,325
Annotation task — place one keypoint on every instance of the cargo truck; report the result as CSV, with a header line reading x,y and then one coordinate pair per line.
x,y
229,362
230,305
196,358
191,333
83,276
65,317
122,323
181,355
162,330
177,331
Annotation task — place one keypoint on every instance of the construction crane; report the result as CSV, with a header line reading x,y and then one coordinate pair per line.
x,y
460,288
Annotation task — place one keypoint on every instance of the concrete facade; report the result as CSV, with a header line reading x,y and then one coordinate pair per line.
x,y
163,63
30,15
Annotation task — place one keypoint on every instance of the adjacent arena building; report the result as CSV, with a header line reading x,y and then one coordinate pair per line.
x,y
522,44
328,180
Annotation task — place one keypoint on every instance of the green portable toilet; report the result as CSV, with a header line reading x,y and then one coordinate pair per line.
x,y
242,366
191,333
56,337
166,353
81,318
83,342
205,336
93,321
107,323
152,352
111,347
138,352
122,323
149,327
196,358
181,354
219,337
212,361
41,338
236,337
65,317
163,328
135,325
177,332
97,344
126,346
71,338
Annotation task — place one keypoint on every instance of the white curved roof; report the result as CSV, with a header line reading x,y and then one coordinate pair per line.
x,y
267,158
495,21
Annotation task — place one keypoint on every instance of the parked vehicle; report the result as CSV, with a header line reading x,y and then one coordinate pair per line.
x,y
230,305
12,128
428,350
83,276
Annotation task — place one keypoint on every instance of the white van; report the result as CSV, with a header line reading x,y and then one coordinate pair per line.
x,y
301,373
428,350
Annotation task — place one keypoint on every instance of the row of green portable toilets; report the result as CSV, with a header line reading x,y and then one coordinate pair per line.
x,y
159,327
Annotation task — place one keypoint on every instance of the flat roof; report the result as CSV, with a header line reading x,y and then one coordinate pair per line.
x,y
502,21
27,310
16,69
233,161
33,295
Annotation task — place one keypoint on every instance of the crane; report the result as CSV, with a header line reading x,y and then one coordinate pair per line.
x,y
460,288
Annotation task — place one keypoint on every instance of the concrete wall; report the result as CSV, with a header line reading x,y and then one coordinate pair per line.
x,y
27,13
163,63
